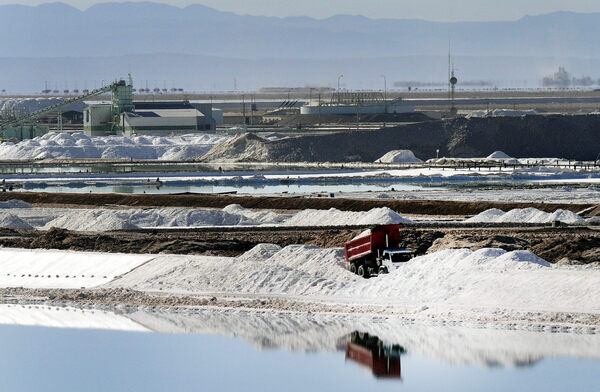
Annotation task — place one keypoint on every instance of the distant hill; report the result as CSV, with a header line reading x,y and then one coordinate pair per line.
x,y
287,45
112,29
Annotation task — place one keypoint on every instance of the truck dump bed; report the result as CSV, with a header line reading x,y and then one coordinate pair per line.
x,y
379,239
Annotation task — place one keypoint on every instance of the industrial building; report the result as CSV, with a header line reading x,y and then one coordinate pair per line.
x,y
149,118
353,103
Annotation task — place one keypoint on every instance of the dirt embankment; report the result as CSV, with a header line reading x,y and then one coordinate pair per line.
x,y
422,207
554,245
565,136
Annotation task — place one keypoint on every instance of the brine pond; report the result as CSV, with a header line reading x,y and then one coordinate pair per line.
x,y
67,349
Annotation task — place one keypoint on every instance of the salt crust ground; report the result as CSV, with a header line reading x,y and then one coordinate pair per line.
x,y
80,146
456,344
487,281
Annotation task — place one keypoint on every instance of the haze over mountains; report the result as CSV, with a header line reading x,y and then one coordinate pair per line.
x,y
205,49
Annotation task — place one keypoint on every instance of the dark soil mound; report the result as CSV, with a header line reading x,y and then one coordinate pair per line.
x,y
571,137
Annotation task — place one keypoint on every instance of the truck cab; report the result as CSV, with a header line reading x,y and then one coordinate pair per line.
x,y
391,257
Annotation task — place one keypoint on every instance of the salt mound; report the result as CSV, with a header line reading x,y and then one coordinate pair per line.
x,y
260,252
14,204
499,155
565,216
246,147
185,217
335,217
490,215
522,256
262,216
80,146
399,156
10,221
293,270
442,275
525,215
92,220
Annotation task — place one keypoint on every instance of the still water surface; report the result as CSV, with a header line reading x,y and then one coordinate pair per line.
x,y
284,353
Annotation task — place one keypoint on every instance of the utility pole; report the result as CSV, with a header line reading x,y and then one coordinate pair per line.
x,y
385,92
244,109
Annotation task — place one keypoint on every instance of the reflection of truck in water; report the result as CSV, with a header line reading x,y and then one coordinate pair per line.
x,y
367,350
375,251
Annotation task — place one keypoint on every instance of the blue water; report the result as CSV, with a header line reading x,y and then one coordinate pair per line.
x,y
44,359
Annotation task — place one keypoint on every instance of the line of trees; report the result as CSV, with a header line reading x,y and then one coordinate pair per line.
x,y
562,78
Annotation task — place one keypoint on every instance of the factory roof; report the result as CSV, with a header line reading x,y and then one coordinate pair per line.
x,y
166,113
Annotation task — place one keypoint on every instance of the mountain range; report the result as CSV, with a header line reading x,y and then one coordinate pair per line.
x,y
129,36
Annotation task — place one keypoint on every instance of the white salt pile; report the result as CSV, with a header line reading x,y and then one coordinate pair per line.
x,y
525,215
79,146
293,270
487,278
10,221
399,156
334,217
92,220
259,216
232,215
260,252
459,279
499,155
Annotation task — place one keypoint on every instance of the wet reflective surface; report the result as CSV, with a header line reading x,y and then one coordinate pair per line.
x,y
60,349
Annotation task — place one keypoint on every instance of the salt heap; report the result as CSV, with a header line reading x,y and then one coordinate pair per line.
x,y
525,215
10,221
399,156
79,146
499,155
335,217
293,270
486,277
92,220
232,215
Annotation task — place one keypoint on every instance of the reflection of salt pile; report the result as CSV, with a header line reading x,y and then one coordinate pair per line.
x,y
525,215
399,156
334,217
80,146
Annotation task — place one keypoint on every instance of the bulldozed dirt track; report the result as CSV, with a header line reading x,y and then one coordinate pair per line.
x,y
423,207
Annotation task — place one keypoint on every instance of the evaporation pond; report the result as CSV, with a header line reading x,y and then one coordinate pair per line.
x,y
281,355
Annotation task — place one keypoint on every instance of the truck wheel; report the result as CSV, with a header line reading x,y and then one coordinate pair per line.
x,y
362,271
383,270
352,268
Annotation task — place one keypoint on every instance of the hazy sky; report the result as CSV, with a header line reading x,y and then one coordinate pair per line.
x,y
440,10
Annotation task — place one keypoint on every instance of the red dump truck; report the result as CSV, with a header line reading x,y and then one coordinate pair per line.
x,y
375,251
